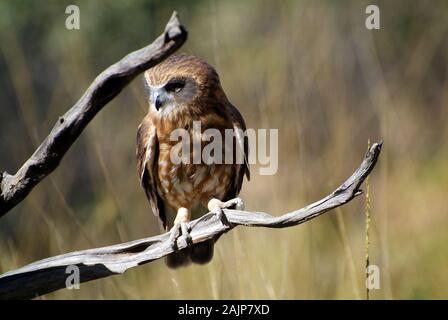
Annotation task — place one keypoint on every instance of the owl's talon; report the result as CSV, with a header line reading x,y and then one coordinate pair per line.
x,y
221,215
186,233
179,229
236,202
174,235
217,206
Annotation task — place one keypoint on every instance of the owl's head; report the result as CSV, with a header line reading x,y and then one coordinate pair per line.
x,y
181,82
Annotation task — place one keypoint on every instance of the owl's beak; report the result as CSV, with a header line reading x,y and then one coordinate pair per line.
x,y
158,98
159,102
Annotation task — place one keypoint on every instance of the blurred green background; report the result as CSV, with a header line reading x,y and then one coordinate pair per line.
x,y
309,68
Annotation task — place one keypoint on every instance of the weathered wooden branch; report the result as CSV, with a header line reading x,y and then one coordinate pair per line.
x,y
14,188
49,275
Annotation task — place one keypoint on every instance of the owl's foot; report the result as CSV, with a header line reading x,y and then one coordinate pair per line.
x,y
236,203
216,206
177,231
180,228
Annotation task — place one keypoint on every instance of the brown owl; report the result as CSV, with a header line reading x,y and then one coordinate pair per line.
x,y
184,90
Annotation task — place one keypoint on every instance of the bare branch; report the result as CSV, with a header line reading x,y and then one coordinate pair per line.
x,y
14,188
49,275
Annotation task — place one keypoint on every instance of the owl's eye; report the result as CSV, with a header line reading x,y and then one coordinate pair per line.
x,y
175,85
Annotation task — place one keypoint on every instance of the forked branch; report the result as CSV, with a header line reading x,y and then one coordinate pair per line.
x,y
49,275
14,188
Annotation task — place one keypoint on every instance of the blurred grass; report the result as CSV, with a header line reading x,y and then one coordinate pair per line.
x,y
309,68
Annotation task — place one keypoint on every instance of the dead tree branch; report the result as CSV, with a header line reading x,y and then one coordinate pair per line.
x,y
49,275
14,188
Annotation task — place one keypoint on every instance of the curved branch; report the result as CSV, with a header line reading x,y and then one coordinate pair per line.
x,y
14,188
49,275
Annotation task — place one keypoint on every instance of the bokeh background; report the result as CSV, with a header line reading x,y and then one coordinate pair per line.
x,y
310,69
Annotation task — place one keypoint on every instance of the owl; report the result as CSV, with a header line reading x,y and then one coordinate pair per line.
x,y
184,90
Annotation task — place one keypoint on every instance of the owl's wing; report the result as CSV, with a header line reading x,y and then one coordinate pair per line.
x,y
243,145
147,155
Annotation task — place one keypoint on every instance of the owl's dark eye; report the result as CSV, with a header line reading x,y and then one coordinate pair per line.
x,y
175,85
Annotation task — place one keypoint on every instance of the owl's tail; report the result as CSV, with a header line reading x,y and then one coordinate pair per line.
x,y
200,253
178,259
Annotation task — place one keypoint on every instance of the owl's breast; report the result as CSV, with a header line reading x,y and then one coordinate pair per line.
x,y
188,185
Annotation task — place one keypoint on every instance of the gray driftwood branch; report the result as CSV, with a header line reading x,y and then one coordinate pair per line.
x,y
49,275
14,188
